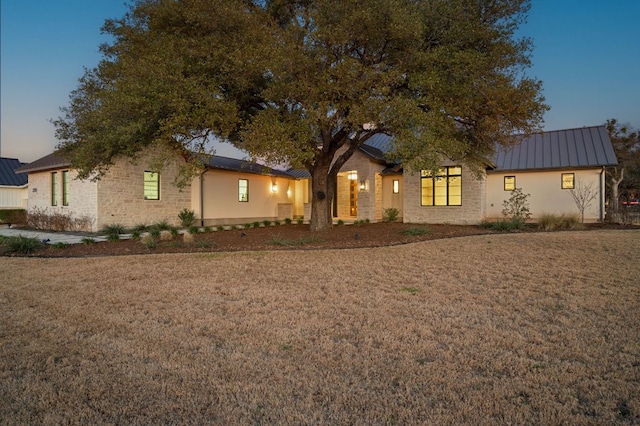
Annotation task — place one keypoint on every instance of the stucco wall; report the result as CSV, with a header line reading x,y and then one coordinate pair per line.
x,y
82,195
471,211
547,195
121,195
389,199
221,205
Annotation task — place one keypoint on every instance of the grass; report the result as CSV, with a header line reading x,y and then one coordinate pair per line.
x,y
546,335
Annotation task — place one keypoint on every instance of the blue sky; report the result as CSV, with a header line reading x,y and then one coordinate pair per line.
x,y
587,53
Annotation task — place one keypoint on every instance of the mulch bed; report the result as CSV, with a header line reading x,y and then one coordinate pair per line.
x,y
282,237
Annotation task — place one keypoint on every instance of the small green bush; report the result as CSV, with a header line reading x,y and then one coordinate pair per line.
x,y
340,222
194,229
266,223
187,217
113,237
163,225
220,228
247,225
276,223
300,221
207,229
415,231
174,231
59,245
256,224
88,241
141,227
287,221
391,214
21,244
155,231
113,229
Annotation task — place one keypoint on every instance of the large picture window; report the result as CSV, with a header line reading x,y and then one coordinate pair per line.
x,y
65,188
54,188
151,186
443,189
243,190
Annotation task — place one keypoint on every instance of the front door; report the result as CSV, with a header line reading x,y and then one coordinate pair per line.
x,y
353,197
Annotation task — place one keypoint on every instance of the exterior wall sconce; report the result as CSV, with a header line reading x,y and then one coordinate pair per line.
x,y
364,185
274,187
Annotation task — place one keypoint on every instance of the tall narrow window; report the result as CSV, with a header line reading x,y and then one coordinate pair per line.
x,y
65,188
509,183
243,190
151,186
54,188
568,180
443,189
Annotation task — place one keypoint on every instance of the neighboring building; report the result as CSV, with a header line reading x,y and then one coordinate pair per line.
x,y
13,186
233,191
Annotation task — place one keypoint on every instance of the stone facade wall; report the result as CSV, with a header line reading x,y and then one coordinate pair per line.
x,y
82,195
472,210
121,195
370,199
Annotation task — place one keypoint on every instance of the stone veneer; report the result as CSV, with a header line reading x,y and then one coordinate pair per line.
x,y
472,210
121,195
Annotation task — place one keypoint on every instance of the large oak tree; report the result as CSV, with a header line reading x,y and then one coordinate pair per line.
x,y
307,83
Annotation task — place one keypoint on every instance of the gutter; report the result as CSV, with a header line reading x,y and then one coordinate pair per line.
x,y
602,194
202,198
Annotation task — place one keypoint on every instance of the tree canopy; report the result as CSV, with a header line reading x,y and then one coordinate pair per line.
x,y
307,83
624,179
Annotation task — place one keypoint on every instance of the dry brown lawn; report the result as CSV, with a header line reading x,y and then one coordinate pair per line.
x,y
537,328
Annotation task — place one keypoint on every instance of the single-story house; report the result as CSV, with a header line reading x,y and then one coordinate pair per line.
x,y
13,186
547,166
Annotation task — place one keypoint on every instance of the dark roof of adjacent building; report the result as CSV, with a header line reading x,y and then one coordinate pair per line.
x,y
584,147
8,175
48,162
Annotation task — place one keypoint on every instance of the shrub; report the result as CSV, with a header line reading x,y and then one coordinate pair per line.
x,y
266,223
163,225
135,235
166,235
516,208
505,225
154,231
550,222
112,229
247,225
391,214
287,220
113,237
21,244
13,216
300,221
256,224
207,229
220,228
149,241
340,222
276,222
59,245
174,231
41,219
193,229
187,217
414,231
88,241
141,227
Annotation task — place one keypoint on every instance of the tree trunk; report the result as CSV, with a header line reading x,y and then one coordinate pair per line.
x,y
615,183
322,194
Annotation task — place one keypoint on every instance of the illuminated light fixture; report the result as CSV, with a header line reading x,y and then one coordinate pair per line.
x,y
363,185
274,187
396,186
289,192
352,175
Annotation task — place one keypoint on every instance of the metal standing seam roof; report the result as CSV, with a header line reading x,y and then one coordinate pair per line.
x,y
8,176
560,149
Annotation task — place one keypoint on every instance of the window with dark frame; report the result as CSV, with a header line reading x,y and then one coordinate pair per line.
x,y
54,188
568,180
65,188
509,183
443,189
243,190
151,185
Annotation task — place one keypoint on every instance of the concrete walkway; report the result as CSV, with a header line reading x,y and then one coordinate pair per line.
x,y
53,237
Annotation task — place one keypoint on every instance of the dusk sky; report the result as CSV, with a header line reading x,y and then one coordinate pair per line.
x,y
587,53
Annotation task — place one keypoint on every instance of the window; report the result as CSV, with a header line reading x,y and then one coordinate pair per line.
x,y
509,183
396,186
65,188
151,186
443,189
243,190
54,188
568,180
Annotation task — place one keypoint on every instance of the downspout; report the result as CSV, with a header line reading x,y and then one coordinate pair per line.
x,y
202,198
602,194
